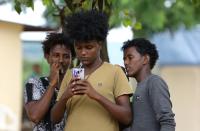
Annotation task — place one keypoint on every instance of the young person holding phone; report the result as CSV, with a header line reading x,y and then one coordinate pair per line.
x,y
100,101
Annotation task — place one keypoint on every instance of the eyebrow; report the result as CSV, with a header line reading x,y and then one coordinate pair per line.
x,y
129,55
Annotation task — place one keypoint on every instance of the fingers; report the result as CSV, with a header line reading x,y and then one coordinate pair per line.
x,y
79,90
73,81
59,66
79,87
82,82
54,71
55,66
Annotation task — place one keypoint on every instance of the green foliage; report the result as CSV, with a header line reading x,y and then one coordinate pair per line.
x,y
19,4
146,17
18,7
137,26
57,11
196,3
46,2
155,16
149,17
122,13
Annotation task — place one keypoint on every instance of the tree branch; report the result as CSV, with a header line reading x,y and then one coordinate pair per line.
x,y
54,3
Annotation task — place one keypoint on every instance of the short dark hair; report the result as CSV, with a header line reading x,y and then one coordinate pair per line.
x,y
54,39
143,46
85,26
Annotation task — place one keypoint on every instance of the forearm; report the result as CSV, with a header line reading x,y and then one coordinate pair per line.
x,y
58,110
37,109
121,112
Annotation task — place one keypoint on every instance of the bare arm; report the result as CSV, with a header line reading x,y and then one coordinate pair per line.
x,y
120,110
37,109
59,108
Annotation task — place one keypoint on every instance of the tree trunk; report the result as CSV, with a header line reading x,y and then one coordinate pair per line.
x,y
104,52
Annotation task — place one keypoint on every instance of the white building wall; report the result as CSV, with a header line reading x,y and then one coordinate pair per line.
x,y
184,85
10,76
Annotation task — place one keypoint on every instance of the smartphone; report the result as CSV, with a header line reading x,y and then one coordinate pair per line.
x,y
78,73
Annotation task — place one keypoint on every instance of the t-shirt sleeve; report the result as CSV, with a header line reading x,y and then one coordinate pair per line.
x,y
161,103
32,90
122,86
64,83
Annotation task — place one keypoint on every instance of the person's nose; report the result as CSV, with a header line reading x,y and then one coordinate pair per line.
x,y
125,62
61,59
83,52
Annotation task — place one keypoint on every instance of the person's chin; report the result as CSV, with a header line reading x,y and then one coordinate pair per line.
x,y
85,62
129,74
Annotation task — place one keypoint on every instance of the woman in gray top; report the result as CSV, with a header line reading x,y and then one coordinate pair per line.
x,y
152,107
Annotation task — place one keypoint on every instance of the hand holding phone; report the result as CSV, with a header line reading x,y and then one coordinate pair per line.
x,y
78,73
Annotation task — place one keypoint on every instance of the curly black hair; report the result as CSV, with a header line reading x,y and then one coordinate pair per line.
x,y
86,26
54,39
143,47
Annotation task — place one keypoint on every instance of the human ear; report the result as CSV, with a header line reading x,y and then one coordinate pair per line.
x,y
146,59
46,56
100,43
100,47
